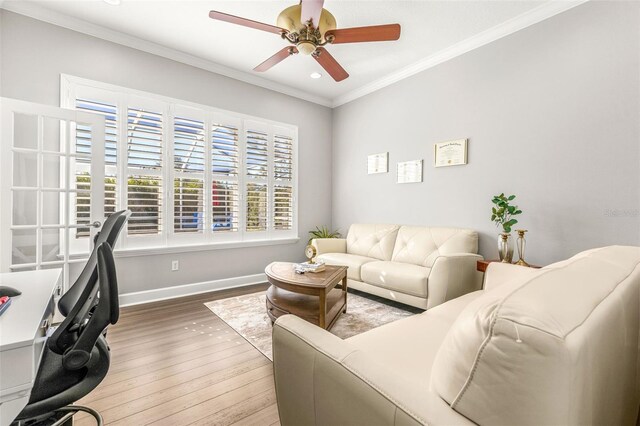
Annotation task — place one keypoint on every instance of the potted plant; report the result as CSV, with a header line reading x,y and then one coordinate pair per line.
x,y
502,214
323,232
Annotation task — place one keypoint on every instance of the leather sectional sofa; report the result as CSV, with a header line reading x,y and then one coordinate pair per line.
x,y
550,346
415,265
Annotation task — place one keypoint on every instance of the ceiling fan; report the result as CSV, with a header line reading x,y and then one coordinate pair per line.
x,y
308,28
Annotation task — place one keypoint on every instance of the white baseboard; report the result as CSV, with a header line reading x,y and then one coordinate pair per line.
x,y
138,297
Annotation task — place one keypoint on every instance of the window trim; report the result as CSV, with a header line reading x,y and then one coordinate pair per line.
x,y
168,241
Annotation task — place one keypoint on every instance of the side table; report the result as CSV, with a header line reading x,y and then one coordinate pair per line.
x,y
482,265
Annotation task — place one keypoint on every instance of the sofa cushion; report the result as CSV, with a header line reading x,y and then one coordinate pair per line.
x,y
421,246
564,338
353,261
372,240
403,277
408,346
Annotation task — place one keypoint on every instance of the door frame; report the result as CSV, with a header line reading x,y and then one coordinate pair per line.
x,y
9,107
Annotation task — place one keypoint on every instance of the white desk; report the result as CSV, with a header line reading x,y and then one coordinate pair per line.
x,y
23,328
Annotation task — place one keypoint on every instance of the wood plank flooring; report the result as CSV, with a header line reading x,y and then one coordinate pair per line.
x,y
177,363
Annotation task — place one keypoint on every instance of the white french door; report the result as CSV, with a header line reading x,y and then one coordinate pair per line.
x,y
51,185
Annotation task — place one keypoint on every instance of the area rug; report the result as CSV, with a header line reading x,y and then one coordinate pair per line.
x,y
247,315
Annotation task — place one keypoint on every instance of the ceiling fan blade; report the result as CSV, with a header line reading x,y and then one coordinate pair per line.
x,y
330,65
311,9
219,16
363,34
277,58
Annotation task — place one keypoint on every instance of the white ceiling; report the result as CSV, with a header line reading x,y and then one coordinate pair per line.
x,y
428,29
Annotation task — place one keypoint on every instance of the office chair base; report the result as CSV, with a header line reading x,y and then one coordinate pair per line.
x,y
60,417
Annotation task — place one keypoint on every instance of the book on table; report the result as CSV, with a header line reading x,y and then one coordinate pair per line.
x,y
305,267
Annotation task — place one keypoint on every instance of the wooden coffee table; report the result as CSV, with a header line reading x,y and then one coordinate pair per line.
x,y
311,296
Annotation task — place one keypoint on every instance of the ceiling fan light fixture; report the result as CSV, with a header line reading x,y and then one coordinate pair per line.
x,y
290,19
306,47
308,28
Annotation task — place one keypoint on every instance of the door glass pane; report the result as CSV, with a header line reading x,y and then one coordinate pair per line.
x,y
51,202
24,246
25,166
51,166
25,131
51,247
25,207
80,202
51,134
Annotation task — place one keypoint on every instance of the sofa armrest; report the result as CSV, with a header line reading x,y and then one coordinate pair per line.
x,y
499,273
321,379
330,245
453,275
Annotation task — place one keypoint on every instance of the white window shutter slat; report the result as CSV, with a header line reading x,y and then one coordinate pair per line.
x,y
144,154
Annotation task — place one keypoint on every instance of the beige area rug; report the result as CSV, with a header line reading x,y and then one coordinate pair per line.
x,y
248,316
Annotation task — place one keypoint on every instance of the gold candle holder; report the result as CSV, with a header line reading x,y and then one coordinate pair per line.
x,y
521,243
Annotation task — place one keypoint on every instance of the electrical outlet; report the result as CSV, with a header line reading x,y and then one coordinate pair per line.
x,y
175,265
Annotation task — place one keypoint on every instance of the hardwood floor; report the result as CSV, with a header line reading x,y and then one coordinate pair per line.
x,y
176,363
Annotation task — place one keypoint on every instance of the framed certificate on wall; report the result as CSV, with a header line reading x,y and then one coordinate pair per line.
x,y
410,172
451,153
378,163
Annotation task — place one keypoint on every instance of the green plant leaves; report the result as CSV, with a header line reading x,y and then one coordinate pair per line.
x,y
323,232
502,212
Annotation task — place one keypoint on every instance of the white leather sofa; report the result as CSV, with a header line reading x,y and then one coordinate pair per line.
x,y
554,346
415,265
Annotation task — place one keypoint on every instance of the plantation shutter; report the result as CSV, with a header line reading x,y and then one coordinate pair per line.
x,y
188,163
225,206
189,174
257,173
83,146
283,187
144,161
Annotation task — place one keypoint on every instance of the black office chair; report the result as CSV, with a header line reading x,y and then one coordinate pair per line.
x,y
64,378
109,233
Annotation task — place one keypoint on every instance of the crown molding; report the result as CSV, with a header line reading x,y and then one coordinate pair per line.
x,y
40,13
538,14
527,19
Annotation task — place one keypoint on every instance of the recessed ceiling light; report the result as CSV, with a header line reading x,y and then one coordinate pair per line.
x,y
112,2
315,75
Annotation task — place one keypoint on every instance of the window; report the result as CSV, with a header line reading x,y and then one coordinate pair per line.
x,y
225,166
83,145
190,174
188,183
144,171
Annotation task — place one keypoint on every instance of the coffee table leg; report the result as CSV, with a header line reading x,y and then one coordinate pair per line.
x,y
323,310
344,291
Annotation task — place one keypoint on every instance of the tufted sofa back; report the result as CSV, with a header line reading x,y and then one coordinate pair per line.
x,y
421,246
372,240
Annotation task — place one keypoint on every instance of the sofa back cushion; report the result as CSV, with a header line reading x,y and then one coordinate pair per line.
x,y
372,240
421,246
556,347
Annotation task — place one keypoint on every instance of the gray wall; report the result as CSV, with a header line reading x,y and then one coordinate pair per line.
x,y
552,114
33,56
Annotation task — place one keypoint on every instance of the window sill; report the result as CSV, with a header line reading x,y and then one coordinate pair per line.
x,y
134,252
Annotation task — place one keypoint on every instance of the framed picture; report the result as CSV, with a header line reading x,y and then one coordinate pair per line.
x,y
451,153
378,163
410,171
